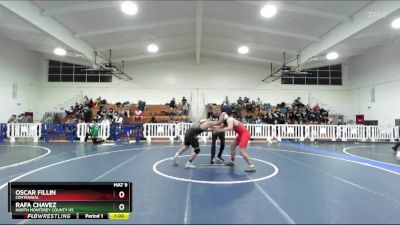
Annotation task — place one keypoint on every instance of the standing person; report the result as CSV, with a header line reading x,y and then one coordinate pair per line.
x,y
241,140
215,136
191,140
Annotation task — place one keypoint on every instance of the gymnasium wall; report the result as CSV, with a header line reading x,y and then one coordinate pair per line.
x,y
379,69
209,81
18,69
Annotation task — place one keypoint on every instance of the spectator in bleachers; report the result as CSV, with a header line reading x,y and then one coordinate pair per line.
x,y
240,101
172,103
117,118
13,119
246,100
138,115
153,120
259,104
90,103
227,100
296,103
268,118
102,114
179,110
316,108
226,107
87,115
209,110
185,108
268,107
118,105
97,102
70,111
184,100
110,114
127,109
141,105
21,118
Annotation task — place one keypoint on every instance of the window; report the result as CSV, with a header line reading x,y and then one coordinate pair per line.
x,y
68,72
326,75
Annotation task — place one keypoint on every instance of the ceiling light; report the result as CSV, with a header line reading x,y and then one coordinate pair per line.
x,y
152,48
129,8
243,49
396,23
268,11
60,51
332,55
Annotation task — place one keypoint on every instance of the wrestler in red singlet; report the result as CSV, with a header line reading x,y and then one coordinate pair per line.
x,y
243,135
230,123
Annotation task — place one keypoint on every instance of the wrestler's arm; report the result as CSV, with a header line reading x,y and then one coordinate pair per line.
x,y
227,128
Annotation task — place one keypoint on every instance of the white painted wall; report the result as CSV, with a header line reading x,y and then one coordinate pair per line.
x,y
17,66
212,80
378,68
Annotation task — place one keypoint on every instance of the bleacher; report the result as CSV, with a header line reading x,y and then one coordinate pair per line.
x,y
256,112
159,112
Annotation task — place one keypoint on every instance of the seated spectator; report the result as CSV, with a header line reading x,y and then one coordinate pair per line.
x,y
240,101
153,120
87,114
268,107
296,102
119,105
234,109
179,110
21,118
253,107
209,110
13,119
269,118
76,108
70,112
98,101
141,105
237,112
282,119
85,100
246,100
117,118
184,100
226,108
316,108
185,109
138,114
110,113
102,113
227,100
259,104
172,103
90,103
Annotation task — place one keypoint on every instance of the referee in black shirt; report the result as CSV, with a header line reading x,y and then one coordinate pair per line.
x,y
221,136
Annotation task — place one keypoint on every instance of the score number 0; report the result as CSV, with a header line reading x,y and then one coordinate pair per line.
x,y
121,195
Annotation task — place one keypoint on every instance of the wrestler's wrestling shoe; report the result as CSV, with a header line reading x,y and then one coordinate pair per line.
x,y
250,168
190,165
175,160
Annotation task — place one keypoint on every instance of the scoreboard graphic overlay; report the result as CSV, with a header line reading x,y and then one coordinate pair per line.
x,y
70,200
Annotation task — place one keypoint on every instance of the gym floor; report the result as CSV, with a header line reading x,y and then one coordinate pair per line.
x,y
318,182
